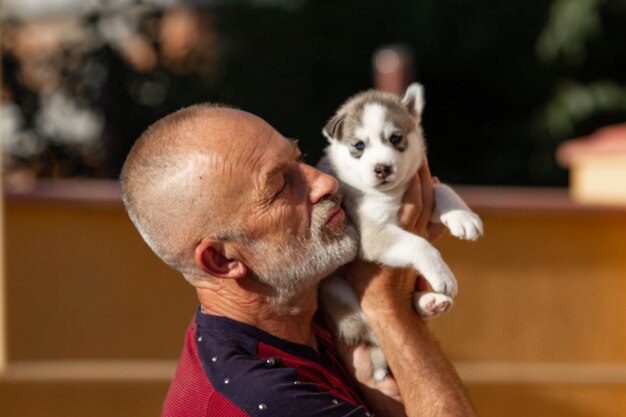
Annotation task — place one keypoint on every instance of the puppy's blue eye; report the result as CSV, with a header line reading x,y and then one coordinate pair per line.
x,y
359,146
395,139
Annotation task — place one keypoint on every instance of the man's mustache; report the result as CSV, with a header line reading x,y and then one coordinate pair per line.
x,y
324,208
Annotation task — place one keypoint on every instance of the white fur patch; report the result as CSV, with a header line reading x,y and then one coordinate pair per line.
x,y
374,118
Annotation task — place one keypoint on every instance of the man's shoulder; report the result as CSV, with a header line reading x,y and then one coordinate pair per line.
x,y
193,391
230,365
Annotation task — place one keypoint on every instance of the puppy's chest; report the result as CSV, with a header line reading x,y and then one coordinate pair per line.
x,y
381,209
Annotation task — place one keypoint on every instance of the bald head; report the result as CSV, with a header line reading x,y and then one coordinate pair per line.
x,y
178,184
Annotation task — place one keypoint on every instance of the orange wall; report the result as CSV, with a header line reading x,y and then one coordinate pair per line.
x,y
540,286
82,284
537,329
544,284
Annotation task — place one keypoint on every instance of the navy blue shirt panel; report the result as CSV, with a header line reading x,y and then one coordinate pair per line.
x,y
264,387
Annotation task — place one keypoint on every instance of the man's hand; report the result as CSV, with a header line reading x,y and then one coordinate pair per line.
x,y
418,206
382,397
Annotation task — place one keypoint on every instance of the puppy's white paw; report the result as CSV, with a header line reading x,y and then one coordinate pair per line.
x,y
463,224
380,374
379,363
430,304
443,283
439,276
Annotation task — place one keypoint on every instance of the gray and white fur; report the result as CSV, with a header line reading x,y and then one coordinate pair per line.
x,y
375,147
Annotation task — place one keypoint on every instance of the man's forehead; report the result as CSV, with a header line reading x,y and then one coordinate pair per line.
x,y
238,137
291,146
254,149
283,157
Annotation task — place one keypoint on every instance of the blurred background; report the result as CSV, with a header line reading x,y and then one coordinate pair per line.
x,y
505,81
523,100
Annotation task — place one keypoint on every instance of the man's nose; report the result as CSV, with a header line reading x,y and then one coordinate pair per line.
x,y
320,185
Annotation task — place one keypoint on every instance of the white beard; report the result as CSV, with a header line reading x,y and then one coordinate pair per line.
x,y
300,264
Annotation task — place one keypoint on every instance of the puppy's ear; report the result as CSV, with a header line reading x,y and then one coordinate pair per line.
x,y
413,99
334,128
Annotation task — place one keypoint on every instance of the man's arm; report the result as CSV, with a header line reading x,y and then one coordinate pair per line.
x,y
427,383
425,379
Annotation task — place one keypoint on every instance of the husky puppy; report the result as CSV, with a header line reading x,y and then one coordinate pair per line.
x,y
375,147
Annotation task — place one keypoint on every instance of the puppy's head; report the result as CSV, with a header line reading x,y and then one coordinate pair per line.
x,y
376,139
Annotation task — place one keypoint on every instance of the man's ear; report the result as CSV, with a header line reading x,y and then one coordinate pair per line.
x,y
413,99
334,128
210,257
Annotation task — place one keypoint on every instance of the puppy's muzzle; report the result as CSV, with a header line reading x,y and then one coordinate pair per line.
x,y
383,171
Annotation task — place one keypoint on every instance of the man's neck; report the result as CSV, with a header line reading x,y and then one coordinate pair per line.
x,y
291,322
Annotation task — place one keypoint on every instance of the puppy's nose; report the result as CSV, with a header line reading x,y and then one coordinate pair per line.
x,y
383,171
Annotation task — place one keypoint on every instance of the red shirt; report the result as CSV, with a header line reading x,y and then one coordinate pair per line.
x,y
231,369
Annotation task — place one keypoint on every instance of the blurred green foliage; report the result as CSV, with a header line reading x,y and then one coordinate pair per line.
x,y
505,81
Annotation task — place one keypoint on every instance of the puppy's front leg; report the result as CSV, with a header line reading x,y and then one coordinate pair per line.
x,y
342,310
391,245
452,211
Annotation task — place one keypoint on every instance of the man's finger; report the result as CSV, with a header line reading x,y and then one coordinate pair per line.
x,y
427,197
435,230
411,203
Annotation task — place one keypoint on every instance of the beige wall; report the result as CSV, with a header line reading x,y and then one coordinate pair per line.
x,y
538,327
540,286
3,336
83,285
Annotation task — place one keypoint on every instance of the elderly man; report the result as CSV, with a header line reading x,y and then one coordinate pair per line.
x,y
223,198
